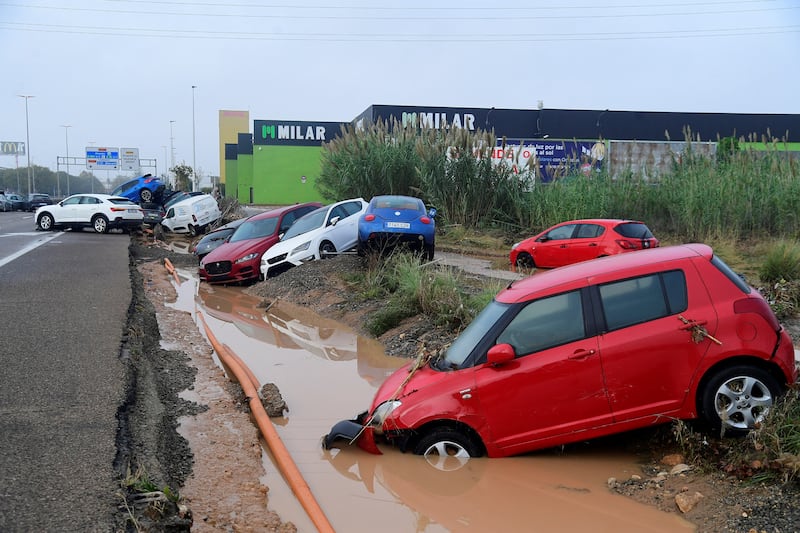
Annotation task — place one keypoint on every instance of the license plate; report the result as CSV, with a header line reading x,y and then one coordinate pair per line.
x,y
403,225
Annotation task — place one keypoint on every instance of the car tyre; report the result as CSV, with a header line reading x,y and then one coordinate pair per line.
x,y
429,252
146,196
445,448
327,250
45,222
737,399
525,260
100,224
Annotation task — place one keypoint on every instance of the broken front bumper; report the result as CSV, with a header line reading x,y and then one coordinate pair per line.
x,y
351,432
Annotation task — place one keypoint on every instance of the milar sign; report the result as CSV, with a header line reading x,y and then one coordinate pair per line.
x,y
294,133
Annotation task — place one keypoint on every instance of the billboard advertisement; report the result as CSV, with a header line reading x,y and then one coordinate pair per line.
x,y
551,159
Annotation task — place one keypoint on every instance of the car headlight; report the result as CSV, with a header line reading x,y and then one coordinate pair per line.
x,y
248,257
514,246
381,413
301,248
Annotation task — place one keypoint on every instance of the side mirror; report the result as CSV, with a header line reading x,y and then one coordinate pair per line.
x,y
500,354
334,221
432,212
543,238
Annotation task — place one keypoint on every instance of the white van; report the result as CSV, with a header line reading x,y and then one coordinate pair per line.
x,y
192,215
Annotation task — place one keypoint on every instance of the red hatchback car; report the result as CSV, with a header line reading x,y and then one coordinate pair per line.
x,y
239,258
579,240
588,350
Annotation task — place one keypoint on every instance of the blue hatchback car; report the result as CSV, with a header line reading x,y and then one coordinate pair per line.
x,y
144,189
392,220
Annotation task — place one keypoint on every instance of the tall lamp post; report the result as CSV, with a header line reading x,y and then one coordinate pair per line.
x,y
31,180
172,152
194,153
66,142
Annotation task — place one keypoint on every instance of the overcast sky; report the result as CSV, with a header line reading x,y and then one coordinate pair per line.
x,y
118,71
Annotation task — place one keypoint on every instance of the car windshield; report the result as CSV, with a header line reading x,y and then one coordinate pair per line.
x,y
255,229
466,342
304,224
397,202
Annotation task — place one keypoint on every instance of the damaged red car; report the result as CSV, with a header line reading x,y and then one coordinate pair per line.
x,y
588,350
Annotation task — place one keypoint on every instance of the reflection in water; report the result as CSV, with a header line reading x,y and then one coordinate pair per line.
x,y
326,372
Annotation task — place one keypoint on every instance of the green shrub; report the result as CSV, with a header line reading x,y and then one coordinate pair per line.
x,y
782,262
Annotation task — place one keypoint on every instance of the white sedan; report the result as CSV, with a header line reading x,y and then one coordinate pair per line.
x,y
100,212
319,234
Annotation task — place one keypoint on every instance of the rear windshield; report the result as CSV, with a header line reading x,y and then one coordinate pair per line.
x,y
634,230
730,274
121,201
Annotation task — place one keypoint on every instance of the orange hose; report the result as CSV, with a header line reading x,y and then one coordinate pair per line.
x,y
287,466
171,270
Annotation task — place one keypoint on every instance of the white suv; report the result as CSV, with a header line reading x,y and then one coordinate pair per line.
x,y
100,212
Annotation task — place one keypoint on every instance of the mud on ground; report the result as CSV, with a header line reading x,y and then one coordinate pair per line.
x,y
218,468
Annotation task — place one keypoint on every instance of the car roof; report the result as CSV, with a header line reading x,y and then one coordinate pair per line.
x,y
281,210
579,274
600,221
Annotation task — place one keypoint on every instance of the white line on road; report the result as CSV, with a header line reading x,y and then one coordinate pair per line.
x,y
32,246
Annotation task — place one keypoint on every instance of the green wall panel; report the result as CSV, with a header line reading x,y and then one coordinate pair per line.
x,y
245,177
231,178
279,172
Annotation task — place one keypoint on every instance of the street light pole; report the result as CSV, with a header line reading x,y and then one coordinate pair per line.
x,y
194,153
66,141
172,152
31,180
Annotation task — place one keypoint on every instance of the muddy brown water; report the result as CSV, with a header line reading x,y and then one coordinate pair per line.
x,y
326,373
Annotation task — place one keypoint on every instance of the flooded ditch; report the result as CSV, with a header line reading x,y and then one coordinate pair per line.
x,y
327,372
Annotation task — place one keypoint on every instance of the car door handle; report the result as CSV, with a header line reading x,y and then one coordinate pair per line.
x,y
593,244
581,354
689,324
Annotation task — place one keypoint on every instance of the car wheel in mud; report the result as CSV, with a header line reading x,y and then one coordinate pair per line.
x,y
447,449
737,399
45,222
327,250
146,196
193,231
100,224
525,260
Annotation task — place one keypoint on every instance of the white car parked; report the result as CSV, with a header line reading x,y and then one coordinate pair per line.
x,y
321,233
192,215
100,212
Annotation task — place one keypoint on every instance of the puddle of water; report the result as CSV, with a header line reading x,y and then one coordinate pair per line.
x,y
326,372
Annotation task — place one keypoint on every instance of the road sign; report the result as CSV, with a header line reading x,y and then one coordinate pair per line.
x,y
102,158
130,159
12,148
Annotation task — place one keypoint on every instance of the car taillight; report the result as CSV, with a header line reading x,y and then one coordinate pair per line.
x,y
119,208
759,307
627,245
369,218
148,180
425,220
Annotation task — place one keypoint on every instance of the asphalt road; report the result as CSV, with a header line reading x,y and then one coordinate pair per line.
x,y
63,308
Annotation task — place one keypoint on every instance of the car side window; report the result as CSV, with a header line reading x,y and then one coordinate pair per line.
x,y
351,208
637,300
546,323
561,232
589,231
73,201
287,221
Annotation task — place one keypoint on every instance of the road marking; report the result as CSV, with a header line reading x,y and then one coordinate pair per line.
x,y
31,246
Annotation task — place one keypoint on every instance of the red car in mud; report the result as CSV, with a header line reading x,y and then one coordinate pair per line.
x,y
588,350
580,240
239,258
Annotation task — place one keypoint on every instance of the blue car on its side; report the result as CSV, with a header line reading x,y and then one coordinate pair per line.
x,y
144,189
392,220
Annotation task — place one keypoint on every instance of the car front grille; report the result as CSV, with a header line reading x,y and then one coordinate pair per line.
x,y
276,259
217,268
